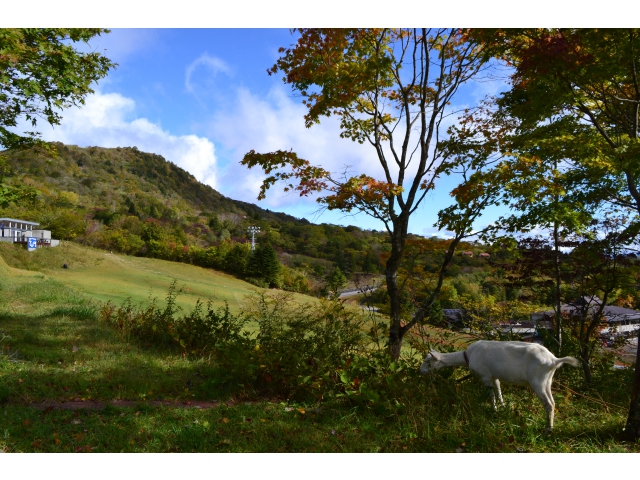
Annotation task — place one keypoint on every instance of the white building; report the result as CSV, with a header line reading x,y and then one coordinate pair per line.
x,y
13,230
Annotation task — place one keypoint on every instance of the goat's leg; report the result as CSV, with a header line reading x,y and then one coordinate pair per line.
x,y
551,401
547,402
489,383
496,387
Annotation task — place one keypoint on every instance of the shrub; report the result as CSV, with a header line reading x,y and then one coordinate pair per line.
x,y
296,350
195,333
299,346
67,226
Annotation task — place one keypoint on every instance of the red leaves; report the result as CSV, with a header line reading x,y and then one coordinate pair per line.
x,y
546,50
341,63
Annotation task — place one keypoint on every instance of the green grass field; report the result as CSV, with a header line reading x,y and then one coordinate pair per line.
x,y
53,350
104,277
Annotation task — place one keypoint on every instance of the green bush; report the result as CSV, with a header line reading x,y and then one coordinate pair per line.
x,y
298,347
293,350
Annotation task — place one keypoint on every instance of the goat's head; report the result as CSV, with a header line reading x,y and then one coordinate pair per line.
x,y
431,362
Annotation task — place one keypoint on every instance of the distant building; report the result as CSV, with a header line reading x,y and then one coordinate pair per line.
x,y
467,254
13,230
619,320
484,255
528,331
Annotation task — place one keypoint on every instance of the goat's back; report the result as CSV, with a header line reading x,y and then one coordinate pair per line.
x,y
511,362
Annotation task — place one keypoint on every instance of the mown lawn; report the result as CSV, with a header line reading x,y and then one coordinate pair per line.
x,y
104,276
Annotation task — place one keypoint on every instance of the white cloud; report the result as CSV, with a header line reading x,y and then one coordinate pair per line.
x,y
108,120
434,232
204,64
276,123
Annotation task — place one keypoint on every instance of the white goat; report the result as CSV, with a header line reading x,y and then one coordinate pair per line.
x,y
519,363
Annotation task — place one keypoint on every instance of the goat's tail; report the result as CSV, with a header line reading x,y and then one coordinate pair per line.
x,y
574,362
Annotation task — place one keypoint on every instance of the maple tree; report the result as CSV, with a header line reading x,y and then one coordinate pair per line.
x,y
585,83
391,89
539,191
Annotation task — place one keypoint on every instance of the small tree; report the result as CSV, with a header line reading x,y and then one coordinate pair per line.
x,y
600,267
335,282
264,264
587,81
392,90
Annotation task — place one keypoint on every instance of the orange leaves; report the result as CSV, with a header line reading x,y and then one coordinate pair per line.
x,y
287,165
427,184
362,191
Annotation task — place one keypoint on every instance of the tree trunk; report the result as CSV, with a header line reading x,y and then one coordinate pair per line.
x,y
558,304
584,357
632,428
398,238
396,329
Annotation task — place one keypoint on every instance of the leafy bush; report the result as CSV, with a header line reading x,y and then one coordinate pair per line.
x,y
292,350
196,333
299,346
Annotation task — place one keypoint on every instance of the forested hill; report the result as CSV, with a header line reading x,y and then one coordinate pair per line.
x,y
138,203
103,177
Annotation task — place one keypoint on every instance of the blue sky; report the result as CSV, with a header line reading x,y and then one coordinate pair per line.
x,y
202,98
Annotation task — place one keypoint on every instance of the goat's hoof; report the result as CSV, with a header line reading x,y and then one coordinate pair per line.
x,y
548,431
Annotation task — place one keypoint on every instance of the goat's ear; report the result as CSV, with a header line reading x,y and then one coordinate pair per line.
x,y
434,354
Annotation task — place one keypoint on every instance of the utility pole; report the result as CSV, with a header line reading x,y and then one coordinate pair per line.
x,y
253,230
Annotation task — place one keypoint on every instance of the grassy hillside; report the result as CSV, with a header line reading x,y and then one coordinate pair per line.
x,y
105,276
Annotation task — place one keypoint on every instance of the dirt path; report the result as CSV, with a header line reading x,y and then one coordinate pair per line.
x,y
99,405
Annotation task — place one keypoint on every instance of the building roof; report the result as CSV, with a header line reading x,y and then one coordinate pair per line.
x,y
590,300
2,220
611,313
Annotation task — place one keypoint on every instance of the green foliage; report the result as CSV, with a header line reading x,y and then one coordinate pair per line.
x,y
13,193
263,264
293,281
199,332
293,350
335,281
43,73
238,259
66,226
